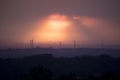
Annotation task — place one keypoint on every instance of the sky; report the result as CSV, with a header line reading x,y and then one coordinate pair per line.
x,y
86,21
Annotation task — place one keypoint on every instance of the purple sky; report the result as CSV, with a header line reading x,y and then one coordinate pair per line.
x,y
18,16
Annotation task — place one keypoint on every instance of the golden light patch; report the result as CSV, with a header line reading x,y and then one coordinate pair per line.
x,y
53,28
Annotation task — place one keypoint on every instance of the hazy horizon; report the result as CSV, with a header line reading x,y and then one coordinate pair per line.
x,y
89,22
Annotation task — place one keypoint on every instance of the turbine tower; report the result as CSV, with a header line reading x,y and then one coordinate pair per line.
x,y
74,42
102,44
60,44
31,44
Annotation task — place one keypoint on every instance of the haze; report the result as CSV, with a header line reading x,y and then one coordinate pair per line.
x,y
49,21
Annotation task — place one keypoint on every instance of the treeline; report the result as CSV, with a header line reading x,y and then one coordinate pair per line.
x,y
47,67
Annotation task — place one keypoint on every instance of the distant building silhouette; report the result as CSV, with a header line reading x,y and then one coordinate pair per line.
x,y
31,44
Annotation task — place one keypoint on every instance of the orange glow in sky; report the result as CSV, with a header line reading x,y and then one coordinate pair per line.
x,y
53,28
57,27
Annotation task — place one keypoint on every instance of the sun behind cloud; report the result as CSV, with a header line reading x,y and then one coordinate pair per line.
x,y
53,28
57,22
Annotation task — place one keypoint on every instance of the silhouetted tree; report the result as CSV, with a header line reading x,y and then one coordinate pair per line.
x,y
93,78
71,76
111,76
40,73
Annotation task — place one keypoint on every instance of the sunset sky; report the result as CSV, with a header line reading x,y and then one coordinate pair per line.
x,y
51,21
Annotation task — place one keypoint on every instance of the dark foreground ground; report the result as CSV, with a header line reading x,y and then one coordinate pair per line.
x,y
81,64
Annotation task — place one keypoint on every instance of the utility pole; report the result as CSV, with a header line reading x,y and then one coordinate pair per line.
x,y
102,44
60,44
74,42
31,44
